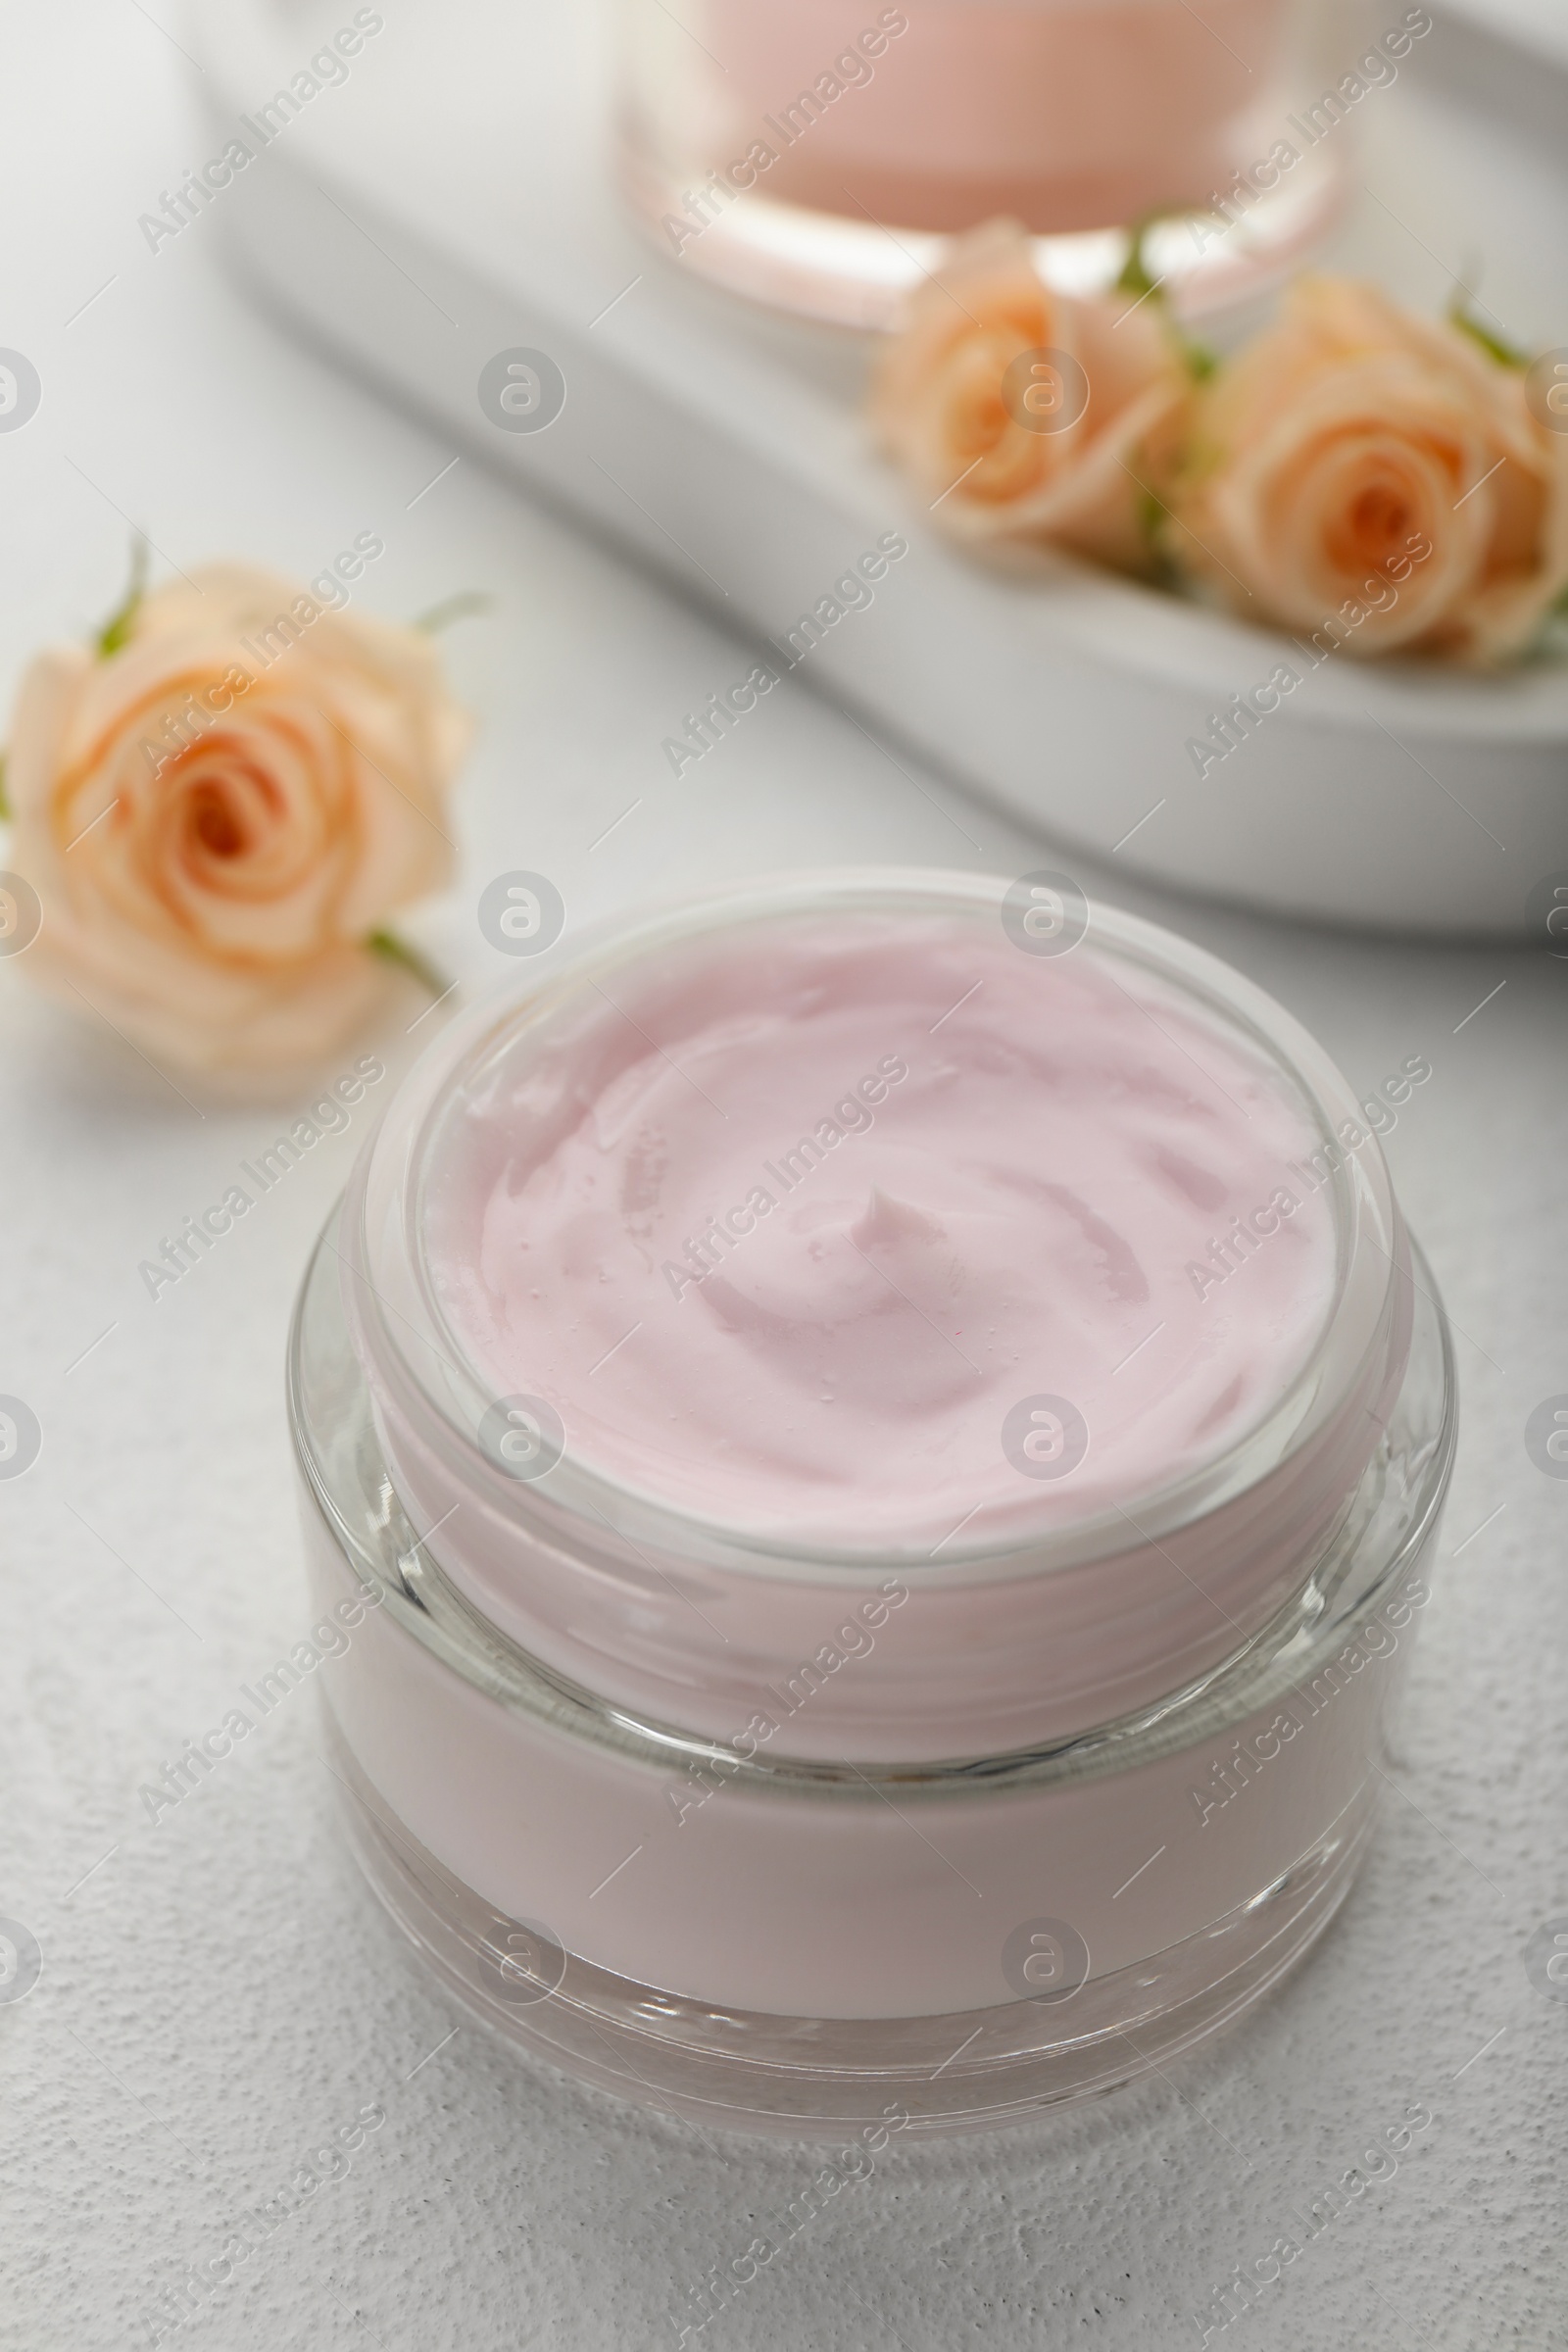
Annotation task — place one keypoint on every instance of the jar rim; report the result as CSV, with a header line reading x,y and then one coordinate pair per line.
x,y
395,1301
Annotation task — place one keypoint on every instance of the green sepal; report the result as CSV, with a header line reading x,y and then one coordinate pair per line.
x,y
1495,347
116,630
462,607
1135,276
392,949
1138,279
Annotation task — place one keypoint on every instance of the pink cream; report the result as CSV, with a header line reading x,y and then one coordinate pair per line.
x,y
1068,113
786,1232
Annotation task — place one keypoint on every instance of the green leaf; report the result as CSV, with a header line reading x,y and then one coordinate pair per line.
x,y
116,630
454,607
387,945
1135,276
1464,317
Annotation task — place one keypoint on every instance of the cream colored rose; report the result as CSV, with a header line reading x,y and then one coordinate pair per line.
x,y
943,407
216,816
1358,461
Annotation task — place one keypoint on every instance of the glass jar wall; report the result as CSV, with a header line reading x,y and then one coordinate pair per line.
x,y
816,155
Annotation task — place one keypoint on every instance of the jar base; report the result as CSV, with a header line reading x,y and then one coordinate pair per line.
x,y
858,272
808,2078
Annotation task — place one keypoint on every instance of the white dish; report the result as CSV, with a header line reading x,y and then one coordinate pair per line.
x,y
726,446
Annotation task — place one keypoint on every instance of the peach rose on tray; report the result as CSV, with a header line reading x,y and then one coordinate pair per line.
x,y
1007,445
220,806
1359,462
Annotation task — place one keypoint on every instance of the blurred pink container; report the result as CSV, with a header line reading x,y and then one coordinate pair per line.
x,y
809,155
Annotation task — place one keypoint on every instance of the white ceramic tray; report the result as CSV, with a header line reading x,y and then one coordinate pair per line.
x,y
454,199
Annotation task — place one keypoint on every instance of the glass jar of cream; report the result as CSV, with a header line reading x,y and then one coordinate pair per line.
x,y
816,155
879,1437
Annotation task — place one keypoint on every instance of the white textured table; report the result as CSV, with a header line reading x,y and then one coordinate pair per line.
x,y
216,1994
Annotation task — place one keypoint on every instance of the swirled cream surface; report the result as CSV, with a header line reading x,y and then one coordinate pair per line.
x,y
881,1231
